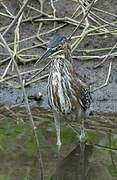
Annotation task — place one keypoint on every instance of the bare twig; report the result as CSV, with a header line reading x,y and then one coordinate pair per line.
x,y
110,24
41,23
44,33
1,45
107,79
74,13
16,38
106,57
86,19
82,20
85,32
100,10
81,58
16,18
40,71
96,50
5,72
84,10
27,108
7,10
33,81
54,11
39,11
15,75
6,15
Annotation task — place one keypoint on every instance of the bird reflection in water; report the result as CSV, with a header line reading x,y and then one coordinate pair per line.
x,y
81,165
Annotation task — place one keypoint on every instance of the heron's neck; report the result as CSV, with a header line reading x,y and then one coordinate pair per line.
x,y
64,55
67,52
61,63
68,56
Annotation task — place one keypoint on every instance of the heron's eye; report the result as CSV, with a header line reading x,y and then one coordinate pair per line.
x,y
59,46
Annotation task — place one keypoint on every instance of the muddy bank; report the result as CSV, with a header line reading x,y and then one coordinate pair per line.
x,y
103,100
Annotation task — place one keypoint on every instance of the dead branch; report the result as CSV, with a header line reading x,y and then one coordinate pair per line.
x,y
27,108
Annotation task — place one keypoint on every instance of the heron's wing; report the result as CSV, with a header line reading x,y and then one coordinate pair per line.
x,y
85,98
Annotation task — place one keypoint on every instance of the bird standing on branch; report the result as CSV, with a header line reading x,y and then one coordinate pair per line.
x,y
68,94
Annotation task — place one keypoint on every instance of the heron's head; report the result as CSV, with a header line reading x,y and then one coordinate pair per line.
x,y
56,46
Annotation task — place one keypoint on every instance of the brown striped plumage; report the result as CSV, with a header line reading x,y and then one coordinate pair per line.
x,y
68,94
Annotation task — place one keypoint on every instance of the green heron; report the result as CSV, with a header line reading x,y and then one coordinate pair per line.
x,y
68,94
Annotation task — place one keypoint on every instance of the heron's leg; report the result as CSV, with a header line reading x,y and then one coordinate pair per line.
x,y
82,136
57,125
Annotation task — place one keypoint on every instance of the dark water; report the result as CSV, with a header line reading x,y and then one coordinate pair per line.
x,y
96,161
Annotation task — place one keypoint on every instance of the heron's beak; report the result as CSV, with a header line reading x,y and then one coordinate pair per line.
x,y
45,55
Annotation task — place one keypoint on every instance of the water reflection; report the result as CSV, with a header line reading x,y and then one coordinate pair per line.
x,y
98,161
82,165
